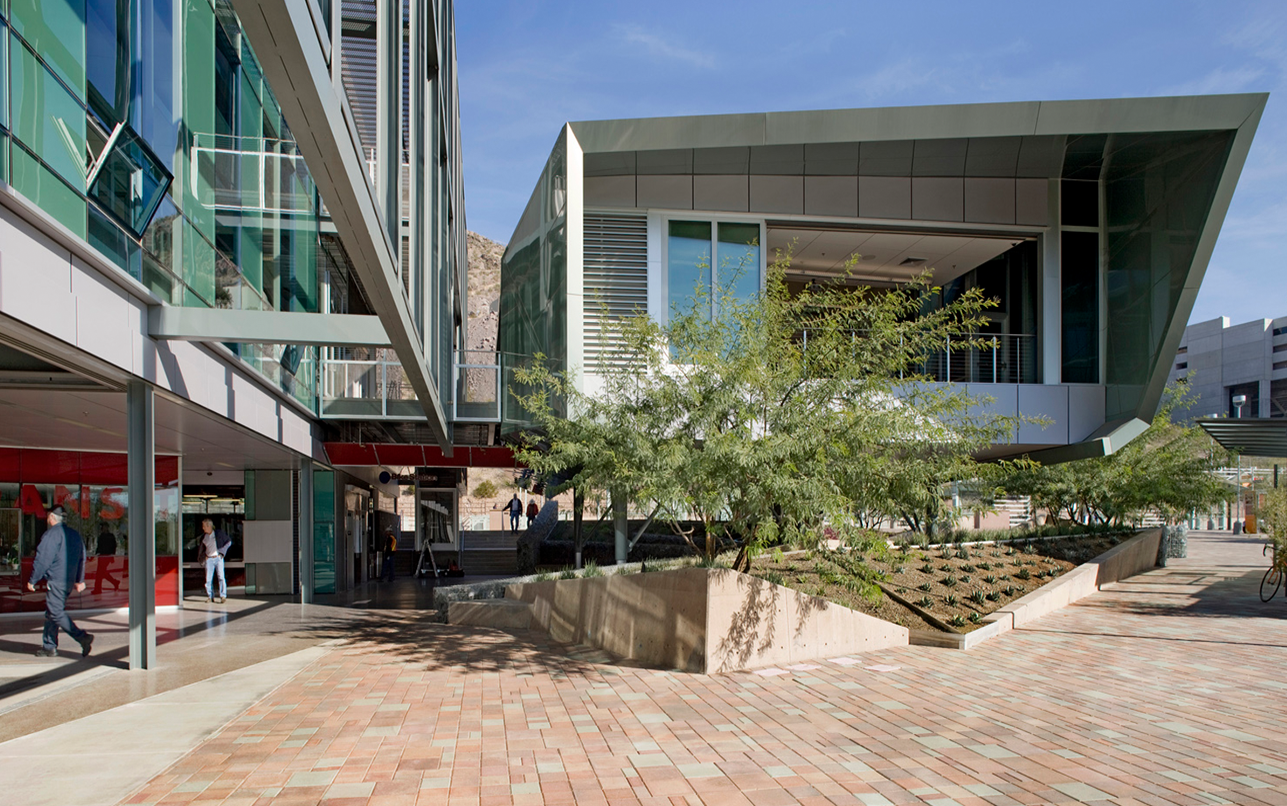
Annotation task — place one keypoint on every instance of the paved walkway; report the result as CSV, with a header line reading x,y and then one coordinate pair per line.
x,y
1167,689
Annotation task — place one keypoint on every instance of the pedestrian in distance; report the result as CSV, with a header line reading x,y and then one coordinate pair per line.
x,y
60,563
105,553
390,546
532,511
214,550
515,507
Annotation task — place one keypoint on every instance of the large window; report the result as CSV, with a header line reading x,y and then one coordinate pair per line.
x,y
706,261
1080,276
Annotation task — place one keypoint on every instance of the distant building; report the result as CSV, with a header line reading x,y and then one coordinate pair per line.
x,y
1222,361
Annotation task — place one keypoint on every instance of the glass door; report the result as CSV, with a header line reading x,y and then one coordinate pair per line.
x,y
10,531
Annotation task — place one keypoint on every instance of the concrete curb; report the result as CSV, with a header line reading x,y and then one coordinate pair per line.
x,y
1124,560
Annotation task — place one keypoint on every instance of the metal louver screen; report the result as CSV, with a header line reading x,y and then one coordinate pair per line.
x,y
616,279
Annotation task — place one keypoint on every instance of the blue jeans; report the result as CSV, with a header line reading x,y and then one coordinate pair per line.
x,y
214,565
513,521
56,616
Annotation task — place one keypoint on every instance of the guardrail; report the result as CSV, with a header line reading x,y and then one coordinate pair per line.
x,y
1001,358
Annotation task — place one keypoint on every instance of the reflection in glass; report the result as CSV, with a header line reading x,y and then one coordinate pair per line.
x,y
739,260
688,265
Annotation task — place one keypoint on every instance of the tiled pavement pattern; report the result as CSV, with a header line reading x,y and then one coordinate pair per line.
x,y
1170,688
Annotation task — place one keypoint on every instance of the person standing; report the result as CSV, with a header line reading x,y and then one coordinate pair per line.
x,y
532,511
60,562
214,549
390,546
106,555
515,507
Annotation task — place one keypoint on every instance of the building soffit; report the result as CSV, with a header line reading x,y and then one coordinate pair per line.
x,y
285,41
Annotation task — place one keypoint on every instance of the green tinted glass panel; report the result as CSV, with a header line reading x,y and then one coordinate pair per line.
x,y
1079,272
688,264
324,531
56,29
1158,194
739,259
4,80
34,181
197,193
198,264
46,118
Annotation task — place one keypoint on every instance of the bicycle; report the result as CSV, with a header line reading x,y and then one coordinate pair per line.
x,y
1273,578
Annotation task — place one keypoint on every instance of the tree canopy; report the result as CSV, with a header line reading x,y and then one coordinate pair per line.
x,y
1167,469
770,418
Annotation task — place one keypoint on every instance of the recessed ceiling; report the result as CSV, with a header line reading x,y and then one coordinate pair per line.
x,y
883,257
95,421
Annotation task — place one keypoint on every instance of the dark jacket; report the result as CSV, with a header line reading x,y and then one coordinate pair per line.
x,y
106,544
515,506
60,557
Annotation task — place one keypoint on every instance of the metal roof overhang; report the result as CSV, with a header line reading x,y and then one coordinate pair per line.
x,y
1248,436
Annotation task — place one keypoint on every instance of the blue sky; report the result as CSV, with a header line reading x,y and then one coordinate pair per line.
x,y
528,67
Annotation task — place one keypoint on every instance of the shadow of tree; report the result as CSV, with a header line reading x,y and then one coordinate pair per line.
x,y
753,629
411,639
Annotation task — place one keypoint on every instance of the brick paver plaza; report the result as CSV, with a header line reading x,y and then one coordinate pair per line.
x,y
1170,688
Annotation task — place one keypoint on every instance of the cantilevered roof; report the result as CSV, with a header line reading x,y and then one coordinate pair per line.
x,y
1249,436
1029,119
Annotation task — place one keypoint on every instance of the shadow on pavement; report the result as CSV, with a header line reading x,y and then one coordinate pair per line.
x,y
415,640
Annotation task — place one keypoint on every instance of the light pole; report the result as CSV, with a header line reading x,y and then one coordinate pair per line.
x,y
1238,402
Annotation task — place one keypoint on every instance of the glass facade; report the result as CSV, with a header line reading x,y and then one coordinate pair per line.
x,y
1079,278
533,299
1158,191
147,129
92,489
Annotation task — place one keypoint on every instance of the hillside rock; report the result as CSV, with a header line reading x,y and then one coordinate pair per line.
x,y
484,291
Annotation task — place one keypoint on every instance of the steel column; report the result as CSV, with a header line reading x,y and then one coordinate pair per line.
x,y
620,527
141,475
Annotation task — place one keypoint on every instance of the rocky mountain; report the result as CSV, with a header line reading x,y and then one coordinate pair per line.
x,y
484,291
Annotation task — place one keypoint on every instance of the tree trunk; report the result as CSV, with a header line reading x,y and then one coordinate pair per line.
x,y
578,533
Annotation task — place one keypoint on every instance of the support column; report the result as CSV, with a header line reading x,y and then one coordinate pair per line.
x,y
620,527
1052,357
141,471
306,576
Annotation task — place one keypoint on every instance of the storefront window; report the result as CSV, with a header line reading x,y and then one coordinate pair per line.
x,y
99,512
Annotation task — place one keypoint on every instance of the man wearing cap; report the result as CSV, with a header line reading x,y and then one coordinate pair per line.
x,y
214,548
60,562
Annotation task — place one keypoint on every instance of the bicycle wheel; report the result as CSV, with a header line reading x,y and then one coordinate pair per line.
x,y
1272,581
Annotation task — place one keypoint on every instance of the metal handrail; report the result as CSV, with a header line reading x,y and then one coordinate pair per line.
x,y
1000,358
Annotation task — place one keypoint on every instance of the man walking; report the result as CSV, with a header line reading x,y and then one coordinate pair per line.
x,y
390,546
106,551
214,548
515,507
60,561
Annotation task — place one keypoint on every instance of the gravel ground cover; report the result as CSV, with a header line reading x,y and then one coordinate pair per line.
x,y
955,584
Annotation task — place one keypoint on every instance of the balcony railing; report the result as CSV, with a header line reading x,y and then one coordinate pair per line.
x,y
483,385
1001,358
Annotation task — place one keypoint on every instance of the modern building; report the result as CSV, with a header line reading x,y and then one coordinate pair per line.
x,y
1222,362
231,233
1090,221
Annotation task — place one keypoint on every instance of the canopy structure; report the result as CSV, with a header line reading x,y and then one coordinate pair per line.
x,y
1248,436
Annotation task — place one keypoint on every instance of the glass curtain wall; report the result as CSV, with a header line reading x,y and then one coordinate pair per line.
x,y
146,128
533,299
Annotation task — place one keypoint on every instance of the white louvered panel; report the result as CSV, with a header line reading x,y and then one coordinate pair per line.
x,y
615,279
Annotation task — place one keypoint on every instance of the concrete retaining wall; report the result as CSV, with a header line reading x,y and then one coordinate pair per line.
x,y
700,620
1127,559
